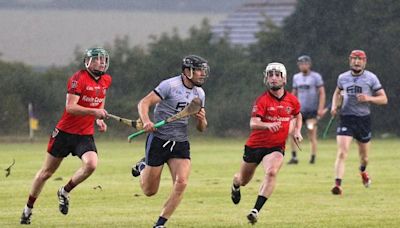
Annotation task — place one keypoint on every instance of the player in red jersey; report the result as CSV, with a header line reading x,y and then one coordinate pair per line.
x,y
74,132
270,125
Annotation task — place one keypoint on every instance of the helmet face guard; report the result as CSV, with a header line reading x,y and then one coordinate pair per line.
x,y
99,54
275,69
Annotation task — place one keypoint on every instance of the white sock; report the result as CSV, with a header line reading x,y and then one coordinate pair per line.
x,y
27,210
63,192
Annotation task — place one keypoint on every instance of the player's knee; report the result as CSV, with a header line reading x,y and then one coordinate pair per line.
x,y
244,182
180,185
149,192
342,155
44,175
271,173
90,167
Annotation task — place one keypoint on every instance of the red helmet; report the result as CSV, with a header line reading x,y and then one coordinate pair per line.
x,y
358,53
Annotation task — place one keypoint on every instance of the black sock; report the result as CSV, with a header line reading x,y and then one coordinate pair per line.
x,y
338,181
260,202
236,187
161,221
31,201
362,168
294,154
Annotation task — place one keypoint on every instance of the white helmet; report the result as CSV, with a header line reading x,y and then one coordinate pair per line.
x,y
275,67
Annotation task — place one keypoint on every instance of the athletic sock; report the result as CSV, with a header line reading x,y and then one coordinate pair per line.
x,y
27,210
338,181
260,202
31,201
294,154
161,221
236,187
363,168
69,186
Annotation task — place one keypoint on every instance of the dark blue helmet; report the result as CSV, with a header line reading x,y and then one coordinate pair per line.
x,y
195,62
304,59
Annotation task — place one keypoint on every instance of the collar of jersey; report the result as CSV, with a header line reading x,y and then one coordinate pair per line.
x,y
91,76
277,98
184,82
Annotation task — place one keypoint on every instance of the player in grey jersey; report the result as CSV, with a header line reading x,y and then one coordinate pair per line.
x,y
169,143
309,88
359,88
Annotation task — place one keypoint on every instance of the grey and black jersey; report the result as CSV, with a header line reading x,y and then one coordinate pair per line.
x,y
366,83
307,87
174,97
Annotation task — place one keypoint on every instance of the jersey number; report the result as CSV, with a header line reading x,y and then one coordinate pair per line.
x,y
181,105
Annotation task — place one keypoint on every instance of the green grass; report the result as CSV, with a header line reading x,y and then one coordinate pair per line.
x,y
302,197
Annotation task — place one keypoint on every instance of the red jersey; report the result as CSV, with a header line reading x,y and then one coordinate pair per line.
x,y
272,109
91,94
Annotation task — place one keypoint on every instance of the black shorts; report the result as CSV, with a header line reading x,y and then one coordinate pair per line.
x,y
256,155
159,151
359,127
61,144
309,115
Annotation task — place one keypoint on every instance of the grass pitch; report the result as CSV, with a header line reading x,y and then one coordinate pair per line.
x,y
302,197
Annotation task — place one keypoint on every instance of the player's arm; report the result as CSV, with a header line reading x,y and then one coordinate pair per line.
x,y
201,120
100,122
143,108
335,101
257,124
297,127
379,98
72,107
322,100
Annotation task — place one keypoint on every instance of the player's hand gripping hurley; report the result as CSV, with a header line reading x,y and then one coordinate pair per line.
x,y
193,108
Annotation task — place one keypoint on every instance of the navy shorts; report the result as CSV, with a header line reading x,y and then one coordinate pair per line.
x,y
309,115
359,127
256,155
159,151
61,144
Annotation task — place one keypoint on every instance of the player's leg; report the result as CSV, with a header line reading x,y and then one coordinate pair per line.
x,y
271,164
293,160
251,159
84,147
180,170
50,165
150,168
242,178
312,135
363,149
246,173
89,163
363,137
150,179
343,146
